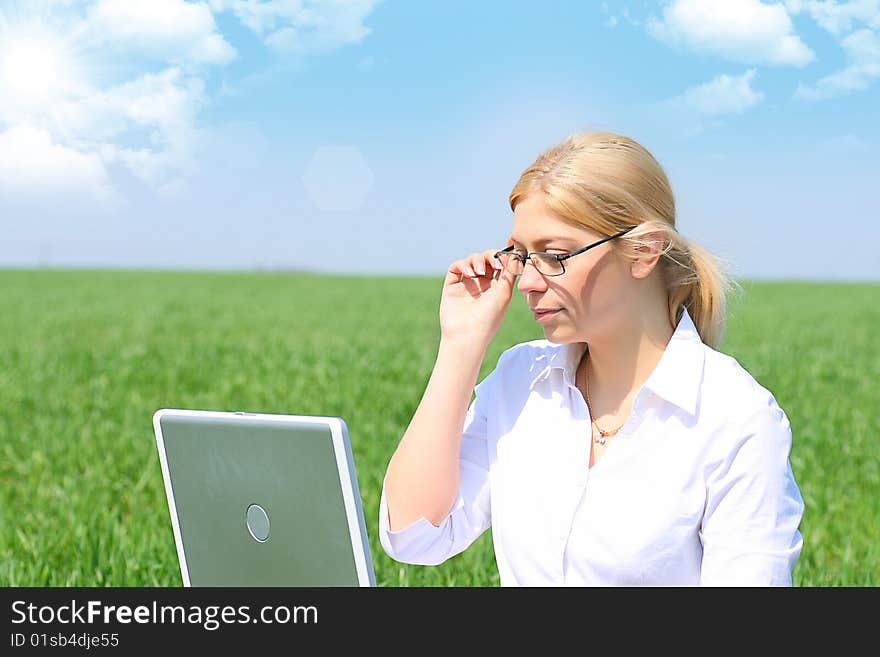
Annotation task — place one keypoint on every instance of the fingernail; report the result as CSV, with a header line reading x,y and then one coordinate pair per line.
x,y
481,269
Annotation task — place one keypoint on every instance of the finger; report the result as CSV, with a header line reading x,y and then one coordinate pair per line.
x,y
494,262
505,275
454,274
458,272
494,267
490,255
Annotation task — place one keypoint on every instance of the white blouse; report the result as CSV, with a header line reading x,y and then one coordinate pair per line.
x,y
695,489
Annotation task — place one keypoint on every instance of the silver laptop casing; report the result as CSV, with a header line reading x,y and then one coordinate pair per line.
x,y
298,470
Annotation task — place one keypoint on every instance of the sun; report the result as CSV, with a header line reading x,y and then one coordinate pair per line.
x,y
31,68
40,63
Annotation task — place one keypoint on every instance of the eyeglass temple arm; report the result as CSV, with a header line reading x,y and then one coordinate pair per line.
x,y
594,244
586,248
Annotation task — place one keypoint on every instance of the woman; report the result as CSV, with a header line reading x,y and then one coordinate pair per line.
x,y
623,449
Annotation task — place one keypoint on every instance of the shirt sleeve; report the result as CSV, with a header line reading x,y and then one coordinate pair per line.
x,y
422,542
753,508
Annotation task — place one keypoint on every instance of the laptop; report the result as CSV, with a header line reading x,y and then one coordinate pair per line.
x,y
262,499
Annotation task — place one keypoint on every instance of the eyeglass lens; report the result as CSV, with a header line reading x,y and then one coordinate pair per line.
x,y
546,264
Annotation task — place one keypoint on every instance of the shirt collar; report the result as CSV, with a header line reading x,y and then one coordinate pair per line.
x,y
676,378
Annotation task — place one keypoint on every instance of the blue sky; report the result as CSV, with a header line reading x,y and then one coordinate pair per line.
x,y
384,137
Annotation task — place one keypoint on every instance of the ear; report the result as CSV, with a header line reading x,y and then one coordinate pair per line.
x,y
649,255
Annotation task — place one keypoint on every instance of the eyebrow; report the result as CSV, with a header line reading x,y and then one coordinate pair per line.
x,y
547,240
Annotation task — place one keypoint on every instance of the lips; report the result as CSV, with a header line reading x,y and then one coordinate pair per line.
x,y
544,313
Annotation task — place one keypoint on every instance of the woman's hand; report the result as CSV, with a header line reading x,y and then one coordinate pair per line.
x,y
476,294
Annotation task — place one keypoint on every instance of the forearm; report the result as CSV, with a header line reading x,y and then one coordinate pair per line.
x,y
423,474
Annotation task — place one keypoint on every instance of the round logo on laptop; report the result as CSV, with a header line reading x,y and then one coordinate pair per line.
x,y
258,523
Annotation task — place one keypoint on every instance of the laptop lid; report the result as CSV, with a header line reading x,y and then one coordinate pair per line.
x,y
263,500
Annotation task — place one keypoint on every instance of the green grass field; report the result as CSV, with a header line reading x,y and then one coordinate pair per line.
x,y
87,357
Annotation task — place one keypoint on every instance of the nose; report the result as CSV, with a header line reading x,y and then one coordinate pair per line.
x,y
531,279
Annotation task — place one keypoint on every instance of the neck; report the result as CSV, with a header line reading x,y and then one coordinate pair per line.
x,y
620,364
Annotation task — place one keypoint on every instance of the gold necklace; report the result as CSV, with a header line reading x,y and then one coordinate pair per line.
x,y
602,434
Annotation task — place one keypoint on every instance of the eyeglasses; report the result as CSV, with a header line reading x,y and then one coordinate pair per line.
x,y
548,264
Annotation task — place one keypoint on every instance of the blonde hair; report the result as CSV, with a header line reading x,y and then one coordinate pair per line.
x,y
608,182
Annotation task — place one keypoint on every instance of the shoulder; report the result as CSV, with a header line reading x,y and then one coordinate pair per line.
x,y
737,401
505,391
521,362
531,349
527,356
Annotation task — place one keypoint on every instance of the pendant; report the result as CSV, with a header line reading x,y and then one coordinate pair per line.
x,y
601,440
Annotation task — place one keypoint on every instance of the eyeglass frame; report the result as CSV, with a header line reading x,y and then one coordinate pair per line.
x,y
559,256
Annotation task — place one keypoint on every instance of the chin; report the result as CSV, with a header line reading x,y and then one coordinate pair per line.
x,y
556,336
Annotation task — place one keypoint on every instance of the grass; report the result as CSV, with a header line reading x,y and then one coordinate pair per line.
x,y
88,356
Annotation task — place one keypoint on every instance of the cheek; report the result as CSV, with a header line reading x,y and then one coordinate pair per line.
x,y
595,291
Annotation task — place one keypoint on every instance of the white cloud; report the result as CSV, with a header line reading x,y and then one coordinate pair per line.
x,y
745,31
844,145
613,21
726,94
145,125
862,50
838,18
148,123
167,101
303,26
706,106
33,165
154,118
171,30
